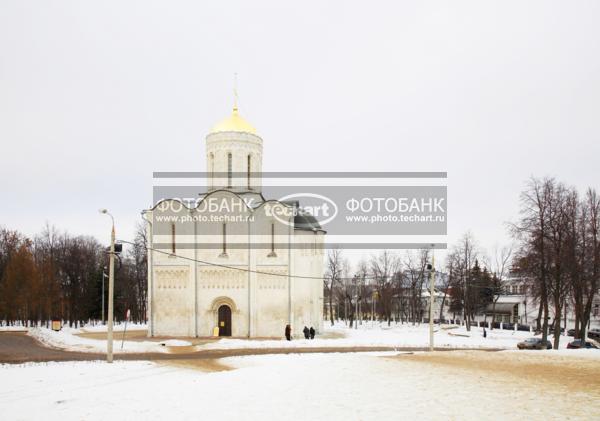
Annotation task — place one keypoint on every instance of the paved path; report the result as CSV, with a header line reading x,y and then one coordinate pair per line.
x,y
18,347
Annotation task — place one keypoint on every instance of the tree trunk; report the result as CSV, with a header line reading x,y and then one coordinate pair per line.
x,y
557,319
442,305
538,321
545,323
493,313
331,303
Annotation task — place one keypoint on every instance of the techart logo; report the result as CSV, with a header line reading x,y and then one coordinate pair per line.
x,y
321,208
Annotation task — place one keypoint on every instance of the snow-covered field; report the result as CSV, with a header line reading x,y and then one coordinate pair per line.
x,y
334,336
330,387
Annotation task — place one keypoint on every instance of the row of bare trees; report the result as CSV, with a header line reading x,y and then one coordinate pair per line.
x,y
474,281
559,251
55,275
390,286
556,258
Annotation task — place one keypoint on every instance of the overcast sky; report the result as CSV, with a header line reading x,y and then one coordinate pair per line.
x,y
94,97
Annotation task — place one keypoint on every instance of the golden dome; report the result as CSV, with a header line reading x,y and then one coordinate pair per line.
x,y
234,123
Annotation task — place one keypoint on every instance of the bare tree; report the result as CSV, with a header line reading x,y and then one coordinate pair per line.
x,y
362,290
58,276
584,259
532,232
466,253
592,233
500,266
415,274
385,268
335,267
562,205
447,281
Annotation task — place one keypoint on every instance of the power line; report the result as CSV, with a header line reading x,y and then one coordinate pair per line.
x,y
370,277
232,267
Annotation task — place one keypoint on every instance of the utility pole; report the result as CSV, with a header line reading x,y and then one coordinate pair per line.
x,y
431,298
360,305
111,285
345,305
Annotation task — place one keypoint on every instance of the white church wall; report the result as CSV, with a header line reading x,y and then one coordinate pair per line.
x,y
184,305
210,232
271,291
272,302
172,288
308,291
217,286
173,310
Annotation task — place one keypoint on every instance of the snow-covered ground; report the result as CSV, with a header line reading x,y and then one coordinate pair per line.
x,y
13,329
368,334
328,387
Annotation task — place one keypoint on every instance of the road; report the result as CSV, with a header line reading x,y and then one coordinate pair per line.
x,y
18,347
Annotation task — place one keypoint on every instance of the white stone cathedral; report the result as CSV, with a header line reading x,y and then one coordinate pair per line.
x,y
233,260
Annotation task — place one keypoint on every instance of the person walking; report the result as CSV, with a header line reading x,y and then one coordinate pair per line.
x,y
306,332
484,333
312,332
288,332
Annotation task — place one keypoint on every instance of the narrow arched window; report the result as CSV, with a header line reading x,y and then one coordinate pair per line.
x,y
272,253
272,238
173,238
211,168
229,170
224,240
249,171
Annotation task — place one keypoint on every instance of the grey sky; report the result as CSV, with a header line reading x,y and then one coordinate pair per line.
x,y
94,97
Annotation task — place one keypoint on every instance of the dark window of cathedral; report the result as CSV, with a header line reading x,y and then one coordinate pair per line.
x,y
229,169
249,170
173,237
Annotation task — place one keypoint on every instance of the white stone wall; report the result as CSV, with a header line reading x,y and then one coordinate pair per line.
x,y
271,282
172,291
185,295
308,292
217,286
271,302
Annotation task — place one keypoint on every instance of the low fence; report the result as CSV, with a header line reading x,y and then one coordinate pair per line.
x,y
497,325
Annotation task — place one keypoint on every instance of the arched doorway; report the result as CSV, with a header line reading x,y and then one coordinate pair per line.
x,y
224,320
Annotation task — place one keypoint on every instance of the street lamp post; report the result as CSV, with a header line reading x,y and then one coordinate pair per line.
x,y
111,285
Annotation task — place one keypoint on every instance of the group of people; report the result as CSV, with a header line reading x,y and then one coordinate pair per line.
x,y
308,333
